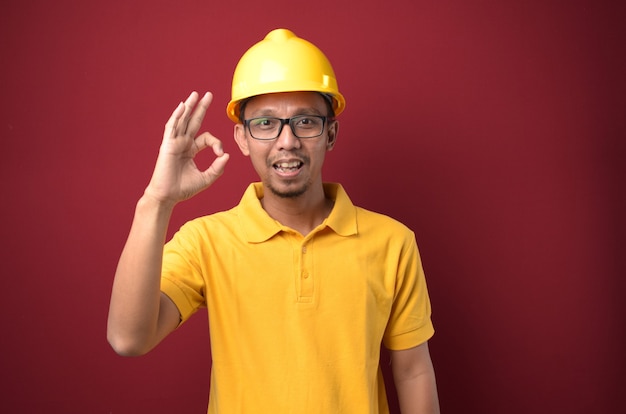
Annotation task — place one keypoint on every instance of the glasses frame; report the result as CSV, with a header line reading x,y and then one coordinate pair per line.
x,y
283,122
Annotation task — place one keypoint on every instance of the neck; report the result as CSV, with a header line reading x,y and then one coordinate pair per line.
x,y
302,213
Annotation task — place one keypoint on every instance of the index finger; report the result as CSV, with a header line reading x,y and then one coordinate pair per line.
x,y
208,140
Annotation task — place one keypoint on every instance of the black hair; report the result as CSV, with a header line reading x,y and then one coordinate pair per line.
x,y
328,98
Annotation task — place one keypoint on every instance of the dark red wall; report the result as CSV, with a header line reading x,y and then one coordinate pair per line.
x,y
494,129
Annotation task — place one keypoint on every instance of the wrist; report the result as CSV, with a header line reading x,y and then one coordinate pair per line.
x,y
152,202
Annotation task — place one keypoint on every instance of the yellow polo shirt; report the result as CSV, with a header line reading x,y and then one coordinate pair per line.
x,y
296,322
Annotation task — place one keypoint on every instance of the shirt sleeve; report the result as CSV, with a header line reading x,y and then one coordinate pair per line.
x,y
181,275
410,321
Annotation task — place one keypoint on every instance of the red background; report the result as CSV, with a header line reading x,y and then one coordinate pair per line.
x,y
494,129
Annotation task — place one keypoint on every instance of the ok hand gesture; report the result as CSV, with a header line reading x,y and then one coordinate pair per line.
x,y
176,176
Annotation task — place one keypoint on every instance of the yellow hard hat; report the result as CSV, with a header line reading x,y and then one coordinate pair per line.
x,y
283,62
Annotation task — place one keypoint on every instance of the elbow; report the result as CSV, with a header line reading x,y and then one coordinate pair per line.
x,y
124,346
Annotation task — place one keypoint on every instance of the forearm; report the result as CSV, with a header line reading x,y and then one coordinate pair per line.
x,y
414,378
418,395
133,324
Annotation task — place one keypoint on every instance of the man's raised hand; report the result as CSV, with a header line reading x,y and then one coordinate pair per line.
x,y
176,176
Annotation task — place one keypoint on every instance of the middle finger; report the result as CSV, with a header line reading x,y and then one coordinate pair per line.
x,y
196,118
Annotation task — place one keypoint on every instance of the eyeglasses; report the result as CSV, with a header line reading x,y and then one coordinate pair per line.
x,y
266,128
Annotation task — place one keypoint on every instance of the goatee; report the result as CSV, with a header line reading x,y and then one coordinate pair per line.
x,y
293,193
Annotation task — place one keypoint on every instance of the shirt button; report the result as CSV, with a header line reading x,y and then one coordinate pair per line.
x,y
304,249
306,275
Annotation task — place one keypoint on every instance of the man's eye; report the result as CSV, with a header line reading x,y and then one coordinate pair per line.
x,y
307,121
263,122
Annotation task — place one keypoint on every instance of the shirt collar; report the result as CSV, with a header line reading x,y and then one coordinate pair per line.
x,y
342,218
258,226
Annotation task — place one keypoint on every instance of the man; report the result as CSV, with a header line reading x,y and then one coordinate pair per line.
x,y
301,286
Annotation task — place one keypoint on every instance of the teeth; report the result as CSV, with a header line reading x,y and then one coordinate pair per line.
x,y
293,164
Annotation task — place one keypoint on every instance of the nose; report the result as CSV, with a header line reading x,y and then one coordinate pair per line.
x,y
286,139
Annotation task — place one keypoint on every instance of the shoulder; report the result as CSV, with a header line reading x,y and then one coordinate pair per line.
x,y
209,226
380,223
348,218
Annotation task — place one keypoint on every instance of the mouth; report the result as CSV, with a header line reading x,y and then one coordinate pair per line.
x,y
287,167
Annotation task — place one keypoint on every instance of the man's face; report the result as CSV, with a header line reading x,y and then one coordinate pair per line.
x,y
288,166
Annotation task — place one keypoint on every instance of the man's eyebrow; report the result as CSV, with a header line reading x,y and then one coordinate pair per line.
x,y
305,110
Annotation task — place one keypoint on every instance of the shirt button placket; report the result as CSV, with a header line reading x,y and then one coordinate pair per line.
x,y
306,281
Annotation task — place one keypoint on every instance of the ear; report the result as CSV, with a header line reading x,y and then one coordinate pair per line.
x,y
239,134
333,130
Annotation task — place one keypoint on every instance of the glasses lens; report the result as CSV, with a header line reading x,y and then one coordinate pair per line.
x,y
264,128
307,126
